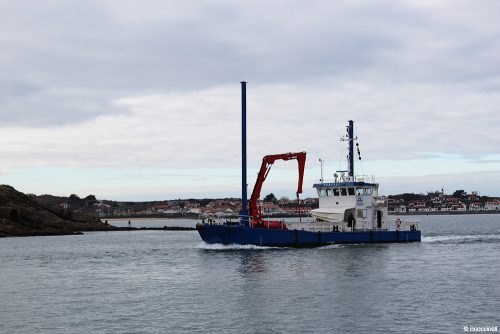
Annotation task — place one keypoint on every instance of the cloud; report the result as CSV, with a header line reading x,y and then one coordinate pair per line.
x,y
70,59
202,128
114,84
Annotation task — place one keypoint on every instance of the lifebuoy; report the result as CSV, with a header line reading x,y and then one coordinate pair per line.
x,y
398,223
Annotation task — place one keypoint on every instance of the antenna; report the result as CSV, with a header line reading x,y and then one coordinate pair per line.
x,y
321,162
350,156
350,131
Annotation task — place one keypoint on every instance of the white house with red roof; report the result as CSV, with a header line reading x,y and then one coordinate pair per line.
x,y
476,206
492,206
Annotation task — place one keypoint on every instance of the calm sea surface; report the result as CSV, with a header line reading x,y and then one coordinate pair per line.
x,y
171,282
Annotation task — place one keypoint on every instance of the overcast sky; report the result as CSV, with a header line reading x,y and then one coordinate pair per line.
x,y
141,100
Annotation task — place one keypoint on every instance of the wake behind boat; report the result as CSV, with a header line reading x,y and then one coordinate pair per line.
x,y
350,209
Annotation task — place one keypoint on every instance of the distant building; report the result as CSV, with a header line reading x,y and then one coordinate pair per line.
x,y
269,208
476,206
101,205
397,208
459,207
492,206
417,206
283,200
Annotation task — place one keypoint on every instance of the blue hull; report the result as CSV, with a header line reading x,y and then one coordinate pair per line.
x,y
241,235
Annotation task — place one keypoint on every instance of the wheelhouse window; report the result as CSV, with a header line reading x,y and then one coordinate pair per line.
x,y
343,191
336,192
329,192
321,192
368,191
359,191
350,191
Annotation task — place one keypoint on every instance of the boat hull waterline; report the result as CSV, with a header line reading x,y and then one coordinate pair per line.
x,y
242,235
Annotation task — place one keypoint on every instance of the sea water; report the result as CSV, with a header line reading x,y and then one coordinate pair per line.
x,y
172,282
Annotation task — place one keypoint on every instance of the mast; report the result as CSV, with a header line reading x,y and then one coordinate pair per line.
x,y
244,205
350,132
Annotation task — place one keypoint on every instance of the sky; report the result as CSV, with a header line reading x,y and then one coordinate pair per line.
x,y
140,100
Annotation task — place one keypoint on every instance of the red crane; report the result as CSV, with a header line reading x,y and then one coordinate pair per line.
x,y
267,162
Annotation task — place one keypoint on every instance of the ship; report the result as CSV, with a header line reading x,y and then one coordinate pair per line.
x,y
350,209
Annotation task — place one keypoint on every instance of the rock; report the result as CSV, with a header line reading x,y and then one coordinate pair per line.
x,y
22,215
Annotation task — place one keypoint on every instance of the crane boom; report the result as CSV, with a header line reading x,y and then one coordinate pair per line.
x,y
265,168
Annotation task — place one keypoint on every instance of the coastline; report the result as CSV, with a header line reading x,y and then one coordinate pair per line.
x,y
196,216
136,218
442,213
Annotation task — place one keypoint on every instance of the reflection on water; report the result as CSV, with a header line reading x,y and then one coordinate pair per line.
x,y
252,262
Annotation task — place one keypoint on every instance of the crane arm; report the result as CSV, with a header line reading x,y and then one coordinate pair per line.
x,y
265,168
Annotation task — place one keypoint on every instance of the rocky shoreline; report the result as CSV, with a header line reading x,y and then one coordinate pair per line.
x,y
22,215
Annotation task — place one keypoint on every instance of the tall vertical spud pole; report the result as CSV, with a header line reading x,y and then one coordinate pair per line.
x,y
244,204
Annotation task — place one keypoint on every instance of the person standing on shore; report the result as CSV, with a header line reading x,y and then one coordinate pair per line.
x,y
129,224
